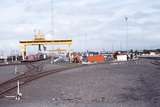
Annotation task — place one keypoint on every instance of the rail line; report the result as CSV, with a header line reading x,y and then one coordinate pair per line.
x,y
27,77
156,63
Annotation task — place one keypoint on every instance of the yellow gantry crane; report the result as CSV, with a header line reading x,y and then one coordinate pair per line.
x,y
40,40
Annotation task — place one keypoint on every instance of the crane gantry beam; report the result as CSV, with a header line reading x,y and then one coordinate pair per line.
x,y
46,42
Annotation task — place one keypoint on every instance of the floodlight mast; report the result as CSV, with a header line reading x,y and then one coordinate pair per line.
x,y
126,20
52,17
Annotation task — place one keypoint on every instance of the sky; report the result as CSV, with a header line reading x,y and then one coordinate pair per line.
x,y
91,24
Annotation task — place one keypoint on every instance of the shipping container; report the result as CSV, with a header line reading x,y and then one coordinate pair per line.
x,y
96,59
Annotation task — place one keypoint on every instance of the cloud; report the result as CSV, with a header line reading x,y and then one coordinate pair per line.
x,y
97,23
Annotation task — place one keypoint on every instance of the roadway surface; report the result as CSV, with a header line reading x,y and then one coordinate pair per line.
x,y
101,85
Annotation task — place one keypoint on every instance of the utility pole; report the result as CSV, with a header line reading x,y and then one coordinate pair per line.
x,y
85,42
112,47
120,46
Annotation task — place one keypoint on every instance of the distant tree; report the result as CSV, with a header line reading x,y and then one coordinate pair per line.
x,y
131,51
158,50
136,51
146,51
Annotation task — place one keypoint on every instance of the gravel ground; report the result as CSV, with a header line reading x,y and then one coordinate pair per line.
x,y
101,85
8,72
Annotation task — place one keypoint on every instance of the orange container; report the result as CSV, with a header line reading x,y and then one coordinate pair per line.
x,y
96,58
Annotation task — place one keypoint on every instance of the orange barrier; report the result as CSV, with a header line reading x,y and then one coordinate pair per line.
x,y
96,58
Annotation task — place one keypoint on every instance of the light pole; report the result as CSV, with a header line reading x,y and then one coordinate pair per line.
x,y
52,17
126,20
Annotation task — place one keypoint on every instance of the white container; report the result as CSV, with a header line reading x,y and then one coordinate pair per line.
x,y
152,54
121,57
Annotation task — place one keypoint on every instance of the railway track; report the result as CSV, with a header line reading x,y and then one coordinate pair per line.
x,y
137,62
156,63
130,62
27,77
35,67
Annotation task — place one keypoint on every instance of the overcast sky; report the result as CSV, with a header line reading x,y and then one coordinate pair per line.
x,y
92,24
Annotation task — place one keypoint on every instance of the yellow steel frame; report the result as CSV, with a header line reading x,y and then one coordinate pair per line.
x,y
24,44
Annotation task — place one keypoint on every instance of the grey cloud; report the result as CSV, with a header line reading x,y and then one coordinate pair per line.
x,y
101,21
